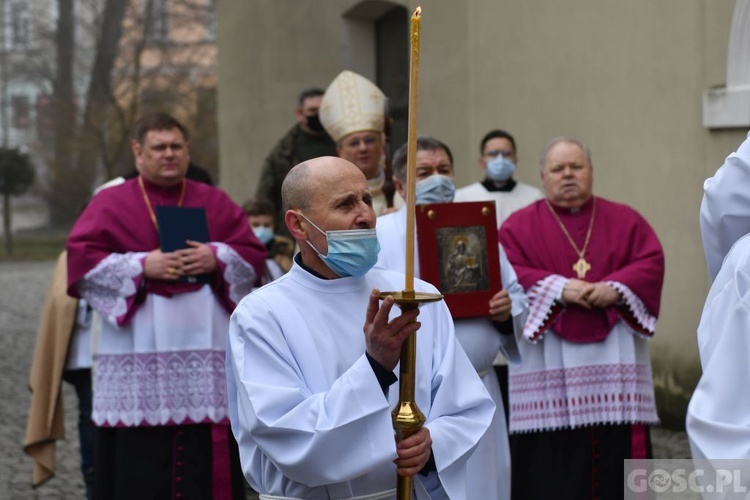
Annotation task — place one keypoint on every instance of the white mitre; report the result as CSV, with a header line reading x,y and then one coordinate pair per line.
x,y
352,103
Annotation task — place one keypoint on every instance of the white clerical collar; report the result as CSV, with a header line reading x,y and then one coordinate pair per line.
x,y
346,284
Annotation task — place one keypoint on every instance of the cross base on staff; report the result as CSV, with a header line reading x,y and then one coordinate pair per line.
x,y
407,417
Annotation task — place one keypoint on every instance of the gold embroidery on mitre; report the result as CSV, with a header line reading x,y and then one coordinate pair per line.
x,y
352,103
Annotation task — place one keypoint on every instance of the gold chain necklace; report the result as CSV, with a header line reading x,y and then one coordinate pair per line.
x,y
148,203
581,267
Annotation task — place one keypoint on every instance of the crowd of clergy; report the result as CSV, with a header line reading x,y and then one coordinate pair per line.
x,y
259,351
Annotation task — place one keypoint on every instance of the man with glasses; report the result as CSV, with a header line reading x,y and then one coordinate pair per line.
x,y
498,150
353,114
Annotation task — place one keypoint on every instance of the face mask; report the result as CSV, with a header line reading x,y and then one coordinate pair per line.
x,y
500,168
436,188
263,233
351,252
313,121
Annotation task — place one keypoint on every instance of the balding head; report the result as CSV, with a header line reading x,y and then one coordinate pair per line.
x,y
294,188
330,193
567,175
307,179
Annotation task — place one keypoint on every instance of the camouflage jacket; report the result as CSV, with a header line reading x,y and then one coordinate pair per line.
x,y
278,163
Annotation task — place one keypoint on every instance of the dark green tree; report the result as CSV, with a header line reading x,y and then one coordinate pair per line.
x,y
16,177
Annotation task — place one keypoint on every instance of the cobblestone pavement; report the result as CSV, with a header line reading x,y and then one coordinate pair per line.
x,y
23,287
22,290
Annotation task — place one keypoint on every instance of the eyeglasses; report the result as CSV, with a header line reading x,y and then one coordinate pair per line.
x,y
354,143
494,152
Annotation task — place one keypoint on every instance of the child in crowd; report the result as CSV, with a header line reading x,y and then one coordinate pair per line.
x,y
280,248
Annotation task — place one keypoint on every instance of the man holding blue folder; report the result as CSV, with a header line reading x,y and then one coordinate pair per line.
x,y
164,260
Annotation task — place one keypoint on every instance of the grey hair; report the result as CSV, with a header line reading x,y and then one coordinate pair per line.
x,y
294,189
557,140
424,143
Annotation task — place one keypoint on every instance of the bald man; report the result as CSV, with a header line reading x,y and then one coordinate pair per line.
x,y
312,357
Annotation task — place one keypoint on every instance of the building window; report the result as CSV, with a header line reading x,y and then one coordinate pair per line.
x,y
45,119
211,20
21,111
20,24
156,20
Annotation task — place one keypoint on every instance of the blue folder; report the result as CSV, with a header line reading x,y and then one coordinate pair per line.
x,y
179,224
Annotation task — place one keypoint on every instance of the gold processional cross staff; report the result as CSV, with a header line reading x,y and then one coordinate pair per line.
x,y
407,418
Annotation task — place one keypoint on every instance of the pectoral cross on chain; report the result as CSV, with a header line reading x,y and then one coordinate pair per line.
x,y
581,268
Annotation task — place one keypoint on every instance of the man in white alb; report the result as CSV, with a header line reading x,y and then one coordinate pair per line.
x,y
482,337
718,418
311,359
498,160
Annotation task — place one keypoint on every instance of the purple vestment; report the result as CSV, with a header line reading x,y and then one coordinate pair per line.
x,y
117,221
160,357
623,249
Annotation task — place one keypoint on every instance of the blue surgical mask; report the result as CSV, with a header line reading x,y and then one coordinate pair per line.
x,y
351,252
436,188
264,234
500,168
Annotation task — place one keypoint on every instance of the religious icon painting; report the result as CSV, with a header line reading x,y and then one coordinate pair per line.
x,y
463,263
458,253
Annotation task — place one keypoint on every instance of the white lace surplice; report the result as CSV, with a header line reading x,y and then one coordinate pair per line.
x,y
166,365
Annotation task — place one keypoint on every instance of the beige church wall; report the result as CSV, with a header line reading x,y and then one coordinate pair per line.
x,y
625,77
444,76
270,50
